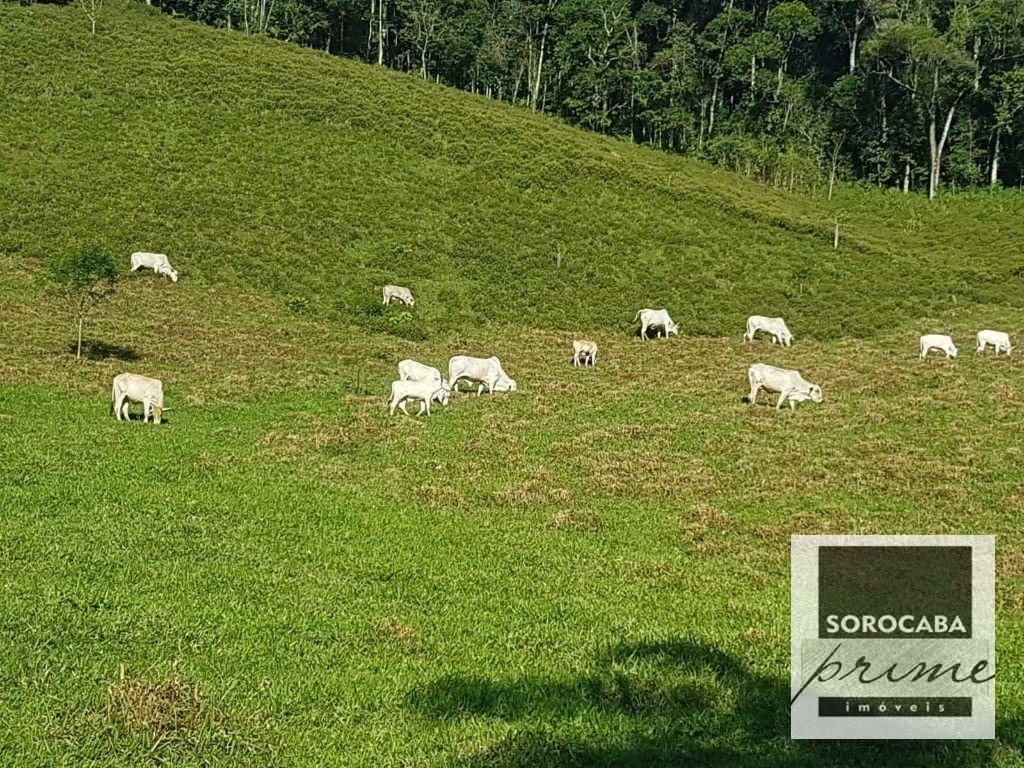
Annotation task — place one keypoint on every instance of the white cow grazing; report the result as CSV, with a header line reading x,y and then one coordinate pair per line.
x,y
655,318
775,326
584,353
939,341
410,370
487,372
999,341
790,385
156,261
398,293
424,391
132,388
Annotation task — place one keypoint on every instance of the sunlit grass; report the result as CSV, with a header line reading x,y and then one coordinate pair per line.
x,y
590,570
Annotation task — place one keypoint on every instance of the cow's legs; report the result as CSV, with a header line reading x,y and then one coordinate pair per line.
x,y
754,389
118,406
782,399
394,404
643,331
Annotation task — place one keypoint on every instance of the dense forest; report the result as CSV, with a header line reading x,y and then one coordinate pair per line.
x,y
913,94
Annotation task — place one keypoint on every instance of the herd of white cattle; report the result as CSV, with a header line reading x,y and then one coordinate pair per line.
x,y
425,384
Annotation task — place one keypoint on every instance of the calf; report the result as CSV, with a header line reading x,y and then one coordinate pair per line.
x,y
156,261
655,318
410,370
937,341
584,353
790,385
132,388
424,391
775,326
398,293
999,341
487,372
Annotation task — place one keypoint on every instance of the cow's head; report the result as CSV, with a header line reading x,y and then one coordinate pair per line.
x,y
952,351
815,393
505,384
173,274
158,412
410,301
671,327
441,395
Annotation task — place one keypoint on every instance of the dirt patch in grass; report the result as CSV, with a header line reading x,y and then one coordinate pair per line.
x,y
159,709
571,520
398,633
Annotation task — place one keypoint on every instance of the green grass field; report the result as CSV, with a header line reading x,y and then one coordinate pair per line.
x,y
593,570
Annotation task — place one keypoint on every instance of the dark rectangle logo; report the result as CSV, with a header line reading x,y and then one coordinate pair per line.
x,y
894,706
894,592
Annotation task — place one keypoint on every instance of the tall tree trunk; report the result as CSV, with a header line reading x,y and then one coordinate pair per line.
x,y
540,67
835,165
711,111
937,145
993,176
977,63
854,41
369,32
906,177
700,135
380,33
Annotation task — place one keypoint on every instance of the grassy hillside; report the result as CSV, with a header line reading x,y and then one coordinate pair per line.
x,y
258,163
590,571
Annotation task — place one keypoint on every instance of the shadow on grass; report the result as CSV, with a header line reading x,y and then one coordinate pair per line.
x,y
100,350
676,703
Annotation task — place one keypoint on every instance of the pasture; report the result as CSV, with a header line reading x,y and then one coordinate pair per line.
x,y
592,570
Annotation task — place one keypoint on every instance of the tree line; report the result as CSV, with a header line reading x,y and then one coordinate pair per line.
x,y
913,94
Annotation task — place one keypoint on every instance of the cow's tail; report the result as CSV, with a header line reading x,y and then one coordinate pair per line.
x,y
636,316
